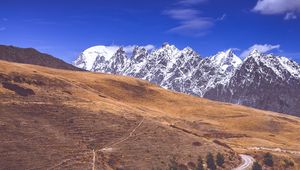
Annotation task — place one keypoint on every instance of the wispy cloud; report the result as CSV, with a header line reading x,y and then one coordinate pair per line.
x,y
4,19
190,22
290,16
263,48
40,21
274,7
222,17
129,49
2,28
149,47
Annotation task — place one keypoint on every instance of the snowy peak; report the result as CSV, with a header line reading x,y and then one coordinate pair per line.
x,y
226,62
118,62
88,57
254,53
167,49
139,54
280,66
291,66
226,59
189,52
217,70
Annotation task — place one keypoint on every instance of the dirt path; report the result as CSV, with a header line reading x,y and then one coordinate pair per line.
x,y
102,149
94,159
64,161
124,139
275,150
26,102
247,162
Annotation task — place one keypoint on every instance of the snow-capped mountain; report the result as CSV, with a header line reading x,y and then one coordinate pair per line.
x,y
87,59
262,80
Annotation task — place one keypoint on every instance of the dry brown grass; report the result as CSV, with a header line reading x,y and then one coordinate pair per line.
x,y
89,111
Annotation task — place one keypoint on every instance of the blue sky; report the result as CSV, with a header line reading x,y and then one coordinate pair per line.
x,y
64,28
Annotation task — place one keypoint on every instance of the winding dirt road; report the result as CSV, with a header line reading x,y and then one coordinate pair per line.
x,y
247,162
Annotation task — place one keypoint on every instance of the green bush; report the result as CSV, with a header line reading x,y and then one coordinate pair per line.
x,y
210,161
220,159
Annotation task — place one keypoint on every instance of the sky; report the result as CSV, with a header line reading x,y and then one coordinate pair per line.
x,y
64,28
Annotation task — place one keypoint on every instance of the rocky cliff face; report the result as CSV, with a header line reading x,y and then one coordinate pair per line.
x,y
263,81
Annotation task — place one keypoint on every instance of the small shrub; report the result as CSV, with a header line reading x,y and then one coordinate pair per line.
x,y
220,159
210,161
196,144
191,165
288,163
173,165
268,159
183,167
256,166
199,164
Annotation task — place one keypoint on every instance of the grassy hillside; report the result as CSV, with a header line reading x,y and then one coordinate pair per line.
x,y
60,119
32,56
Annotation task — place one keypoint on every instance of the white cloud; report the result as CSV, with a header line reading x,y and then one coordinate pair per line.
x,y
182,14
290,16
191,2
129,49
190,22
263,48
272,7
149,47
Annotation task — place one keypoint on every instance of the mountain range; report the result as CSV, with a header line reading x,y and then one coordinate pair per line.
x,y
263,81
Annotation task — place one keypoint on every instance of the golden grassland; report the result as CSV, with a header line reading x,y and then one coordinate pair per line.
x,y
172,120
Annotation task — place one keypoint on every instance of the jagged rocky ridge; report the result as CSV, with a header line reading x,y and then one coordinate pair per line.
x,y
262,81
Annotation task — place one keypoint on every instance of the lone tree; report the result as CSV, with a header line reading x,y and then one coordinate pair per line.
x,y
220,159
173,165
256,166
268,159
210,161
199,164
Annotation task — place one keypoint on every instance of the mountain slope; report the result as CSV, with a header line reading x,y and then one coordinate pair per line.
x,y
222,77
57,119
32,56
265,81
